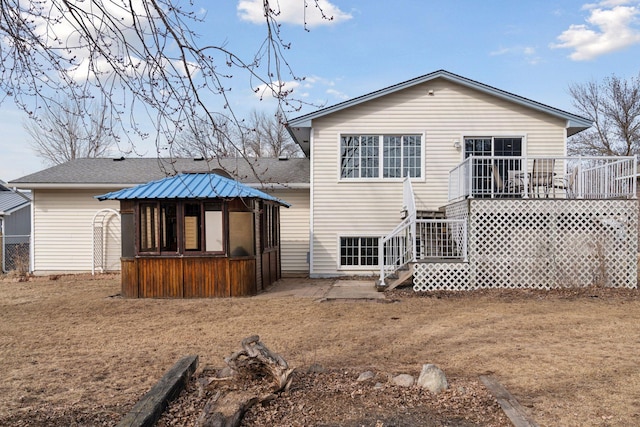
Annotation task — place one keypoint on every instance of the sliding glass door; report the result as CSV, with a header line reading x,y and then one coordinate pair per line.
x,y
486,181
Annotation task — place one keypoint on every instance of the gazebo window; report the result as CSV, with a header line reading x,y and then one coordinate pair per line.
x,y
241,234
168,227
214,227
270,225
148,224
192,227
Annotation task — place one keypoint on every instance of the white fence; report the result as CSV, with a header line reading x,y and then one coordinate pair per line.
x,y
544,177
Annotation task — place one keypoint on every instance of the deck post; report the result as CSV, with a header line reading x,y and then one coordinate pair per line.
x,y
634,184
381,259
525,176
470,174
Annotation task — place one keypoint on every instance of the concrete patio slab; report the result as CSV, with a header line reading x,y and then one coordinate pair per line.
x,y
322,289
353,289
297,288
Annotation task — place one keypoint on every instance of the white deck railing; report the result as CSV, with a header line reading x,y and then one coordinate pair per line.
x,y
441,239
421,239
548,177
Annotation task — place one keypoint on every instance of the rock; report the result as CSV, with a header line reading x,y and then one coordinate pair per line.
x,y
378,386
367,375
403,380
225,372
316,369
432,378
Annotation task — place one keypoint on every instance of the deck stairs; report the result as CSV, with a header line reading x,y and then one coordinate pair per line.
x,y
399,277
421,236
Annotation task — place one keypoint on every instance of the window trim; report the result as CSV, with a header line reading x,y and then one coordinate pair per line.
x,y
341,267
476,134
381,135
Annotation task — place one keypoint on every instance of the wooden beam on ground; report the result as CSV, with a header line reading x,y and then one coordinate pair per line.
x,y
508,403
148,409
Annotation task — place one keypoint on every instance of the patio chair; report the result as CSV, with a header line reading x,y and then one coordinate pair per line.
x,y
570,183
512,186
542,176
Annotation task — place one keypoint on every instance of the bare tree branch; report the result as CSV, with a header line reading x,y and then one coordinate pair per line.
x,y
614,107
61,135
144,58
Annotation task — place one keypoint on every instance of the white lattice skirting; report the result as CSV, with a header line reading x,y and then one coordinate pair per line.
x,y
541,244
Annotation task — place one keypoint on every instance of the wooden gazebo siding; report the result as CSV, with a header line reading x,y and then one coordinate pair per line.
x,y
271,269
194,277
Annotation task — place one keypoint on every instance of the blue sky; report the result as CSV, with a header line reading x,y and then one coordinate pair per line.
x,y
534,48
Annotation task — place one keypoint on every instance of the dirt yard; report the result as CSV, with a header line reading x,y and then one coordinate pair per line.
x,y
72,352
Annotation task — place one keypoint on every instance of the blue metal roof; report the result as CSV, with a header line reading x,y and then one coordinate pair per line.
x,y
191,186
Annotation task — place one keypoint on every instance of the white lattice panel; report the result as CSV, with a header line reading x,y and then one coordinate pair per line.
x,y
546,244
457,210
441,276
541,244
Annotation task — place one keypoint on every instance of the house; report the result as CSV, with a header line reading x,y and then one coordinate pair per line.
x,y
74,232
198,235
441,179
463,185
15,229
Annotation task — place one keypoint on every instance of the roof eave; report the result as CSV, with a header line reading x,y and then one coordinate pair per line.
x,y
577,126
301,135
69,186
15,208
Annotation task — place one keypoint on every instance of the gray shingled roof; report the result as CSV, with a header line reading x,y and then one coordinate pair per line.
x,y
10,200
133,171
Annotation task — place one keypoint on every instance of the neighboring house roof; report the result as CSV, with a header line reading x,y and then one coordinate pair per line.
x,y
109,173
190,186
300,127
11,201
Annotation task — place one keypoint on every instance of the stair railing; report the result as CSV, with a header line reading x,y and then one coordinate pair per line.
x,y
398,248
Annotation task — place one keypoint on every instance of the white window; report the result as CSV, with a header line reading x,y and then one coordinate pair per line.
x,y
363,156
358,251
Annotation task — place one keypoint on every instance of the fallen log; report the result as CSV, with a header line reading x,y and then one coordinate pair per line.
x,y
254,362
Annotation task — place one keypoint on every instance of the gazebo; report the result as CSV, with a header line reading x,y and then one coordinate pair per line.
x,y
197,235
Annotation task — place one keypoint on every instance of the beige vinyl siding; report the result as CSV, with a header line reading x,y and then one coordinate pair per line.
x,y
294,230
372,207
63,233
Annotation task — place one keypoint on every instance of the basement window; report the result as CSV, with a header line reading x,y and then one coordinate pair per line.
x,y
358,251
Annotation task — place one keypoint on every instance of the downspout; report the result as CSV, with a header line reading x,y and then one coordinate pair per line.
x,y
32,240
2,267
311,203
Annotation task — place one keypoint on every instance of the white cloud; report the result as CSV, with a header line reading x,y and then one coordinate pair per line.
x,y
57,29
268,91
296,12
607,30
337,94
526,52
607,3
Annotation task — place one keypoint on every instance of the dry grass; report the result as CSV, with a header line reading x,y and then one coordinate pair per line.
x,y
69,346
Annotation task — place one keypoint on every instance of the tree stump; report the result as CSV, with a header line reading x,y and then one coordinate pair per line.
x,y
254,361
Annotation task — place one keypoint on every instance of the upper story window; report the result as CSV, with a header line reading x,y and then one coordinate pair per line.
x,y
375,156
